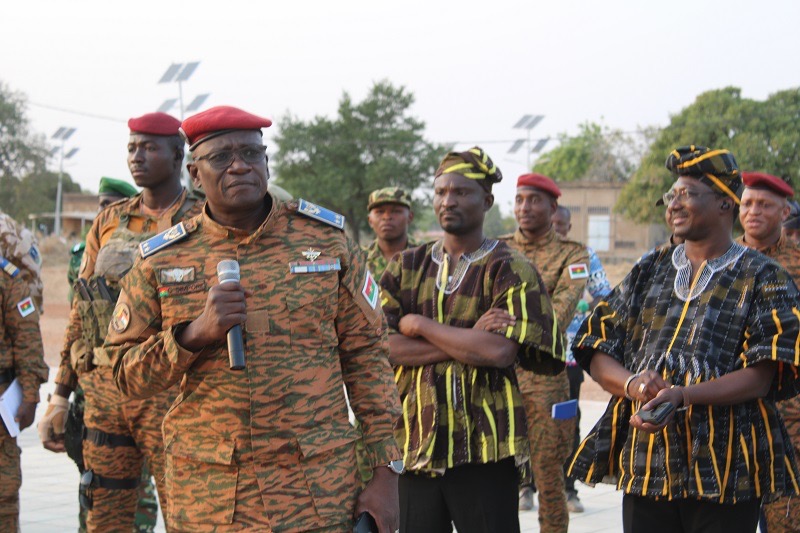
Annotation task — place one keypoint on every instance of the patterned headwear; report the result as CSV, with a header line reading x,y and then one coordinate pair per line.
x,y
474,164
715,168
389,195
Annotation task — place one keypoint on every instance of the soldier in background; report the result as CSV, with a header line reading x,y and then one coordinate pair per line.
x,y
564,267
120,433
791,226
19,246
765,205
21,360
389,216
268,447
598,287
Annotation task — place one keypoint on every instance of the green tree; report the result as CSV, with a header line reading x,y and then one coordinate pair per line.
x,y
763,136
21,151
370,144
596,153
36,193
495,224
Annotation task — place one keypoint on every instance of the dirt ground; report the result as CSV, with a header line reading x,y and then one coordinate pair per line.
x,y
56,308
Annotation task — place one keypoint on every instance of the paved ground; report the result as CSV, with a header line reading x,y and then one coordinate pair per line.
x,y
50,482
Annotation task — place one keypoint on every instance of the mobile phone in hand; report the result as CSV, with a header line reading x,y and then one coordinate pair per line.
x,y
657,415
365,524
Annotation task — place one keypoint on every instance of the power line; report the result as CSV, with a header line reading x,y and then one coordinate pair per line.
x,y
79,113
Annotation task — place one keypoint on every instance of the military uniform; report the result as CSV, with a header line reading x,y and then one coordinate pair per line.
x,y
784,513
375,259
270,447
564,267
21,357
119,432
18,245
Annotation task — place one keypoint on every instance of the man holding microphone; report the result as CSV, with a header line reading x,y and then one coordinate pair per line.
x,y
271,442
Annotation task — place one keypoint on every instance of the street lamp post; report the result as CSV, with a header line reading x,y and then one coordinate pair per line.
x,y
62,134
179,73
528,122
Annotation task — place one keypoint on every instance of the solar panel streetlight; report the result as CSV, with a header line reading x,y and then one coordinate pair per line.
x,y
527,122
178,73
61,134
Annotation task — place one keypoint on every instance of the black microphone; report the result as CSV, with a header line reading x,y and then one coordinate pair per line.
x,y
227,271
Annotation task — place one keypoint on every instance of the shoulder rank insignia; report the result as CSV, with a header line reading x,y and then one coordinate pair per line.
x,y
320,213
163,239
9,267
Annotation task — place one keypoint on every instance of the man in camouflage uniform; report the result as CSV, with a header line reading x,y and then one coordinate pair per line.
x,y
463,428
764,206
21,358
18,245
268,447
110,191
389,217
119,433
564,267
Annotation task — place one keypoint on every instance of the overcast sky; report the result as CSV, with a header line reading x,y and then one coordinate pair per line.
x,y
475,67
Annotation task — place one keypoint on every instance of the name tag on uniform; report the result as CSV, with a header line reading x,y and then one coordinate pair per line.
x,y
309,267
578,271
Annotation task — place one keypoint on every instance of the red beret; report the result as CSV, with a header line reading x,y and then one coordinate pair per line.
x,y
155,124
759,180
540,182
217,121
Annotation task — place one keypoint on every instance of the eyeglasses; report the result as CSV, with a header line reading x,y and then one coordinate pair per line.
x,y
222,159
683,195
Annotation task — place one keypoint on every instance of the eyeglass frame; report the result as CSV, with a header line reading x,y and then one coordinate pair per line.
x,y
684,193
235,152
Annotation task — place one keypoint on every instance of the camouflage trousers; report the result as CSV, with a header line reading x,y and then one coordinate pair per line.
x,y
783,515
108,411
146,507
10,481
551,444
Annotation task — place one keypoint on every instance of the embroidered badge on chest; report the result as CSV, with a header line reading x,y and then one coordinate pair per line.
x,y
168,276
26,307
311,254
578,271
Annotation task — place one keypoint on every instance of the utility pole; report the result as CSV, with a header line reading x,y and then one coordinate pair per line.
x,y
62,134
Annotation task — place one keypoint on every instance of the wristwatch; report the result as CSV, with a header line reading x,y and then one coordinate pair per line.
x,y
397,466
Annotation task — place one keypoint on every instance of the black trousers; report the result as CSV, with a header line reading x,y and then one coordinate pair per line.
x,y
475,498
647,515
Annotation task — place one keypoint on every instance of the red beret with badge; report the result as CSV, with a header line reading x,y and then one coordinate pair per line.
x,y
218,121
760,180
155,124
541,182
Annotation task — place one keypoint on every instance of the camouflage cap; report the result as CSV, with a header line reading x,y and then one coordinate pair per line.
x,y
389,195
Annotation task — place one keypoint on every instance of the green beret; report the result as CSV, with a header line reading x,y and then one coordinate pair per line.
x,y
389,195
117,187
715,168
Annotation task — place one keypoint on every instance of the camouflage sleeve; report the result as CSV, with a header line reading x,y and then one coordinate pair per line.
x,y
569,287
22,328
18,245
364,353
519,290
146,359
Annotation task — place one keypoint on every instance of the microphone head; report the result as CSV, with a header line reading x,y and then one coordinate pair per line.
x,y
228,270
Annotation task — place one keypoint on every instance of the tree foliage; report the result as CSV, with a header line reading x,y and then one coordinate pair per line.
x,y
596,153
763,136
495,224
34,193
369,144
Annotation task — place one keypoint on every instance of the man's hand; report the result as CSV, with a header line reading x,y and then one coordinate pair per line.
x,y
495,319
25,414
53,424
381,499
671,395
225,308
411,325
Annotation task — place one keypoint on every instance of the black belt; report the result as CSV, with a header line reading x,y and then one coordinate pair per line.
x,y
90,479
101,438
7,375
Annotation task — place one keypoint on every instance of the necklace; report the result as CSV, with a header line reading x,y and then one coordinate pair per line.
x,y
158,212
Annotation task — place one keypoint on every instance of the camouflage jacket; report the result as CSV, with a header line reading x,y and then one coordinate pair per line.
x,y
103,227
375,260
312,326
563,265
20,337
18,245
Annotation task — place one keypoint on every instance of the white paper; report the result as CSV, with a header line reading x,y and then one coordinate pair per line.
x,y
9,405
